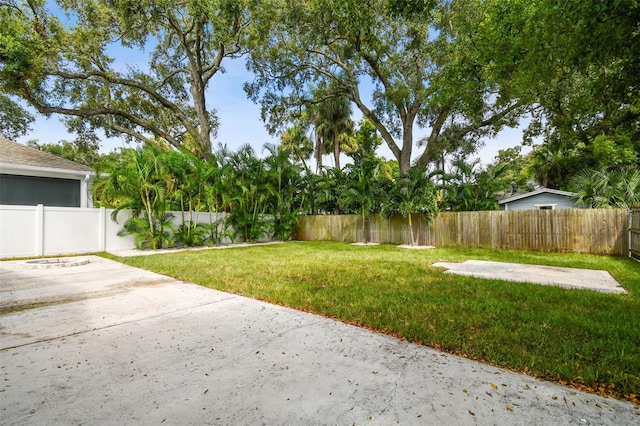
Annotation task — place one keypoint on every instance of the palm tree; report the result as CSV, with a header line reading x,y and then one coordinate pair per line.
x,y
607,188
362,191
412,193
296,142
250,192
326,191
286,203
471,188
187,176
332,112
139,182
462,191
550,164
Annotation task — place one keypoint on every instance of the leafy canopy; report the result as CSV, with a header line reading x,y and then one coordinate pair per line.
x,y
60,58
414,68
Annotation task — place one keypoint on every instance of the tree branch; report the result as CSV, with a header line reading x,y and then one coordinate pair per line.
x,y
489,121
436,128
94,112
175,109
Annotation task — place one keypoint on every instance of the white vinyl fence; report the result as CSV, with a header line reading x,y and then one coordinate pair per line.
x,y
27,231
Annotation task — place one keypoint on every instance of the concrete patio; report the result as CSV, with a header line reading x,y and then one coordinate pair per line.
x,y
103,343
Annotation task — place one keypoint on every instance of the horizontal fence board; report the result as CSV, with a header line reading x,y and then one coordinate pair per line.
x,y
596,231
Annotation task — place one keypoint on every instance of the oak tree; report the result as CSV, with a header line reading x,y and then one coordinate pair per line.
x,y
395,63
138,68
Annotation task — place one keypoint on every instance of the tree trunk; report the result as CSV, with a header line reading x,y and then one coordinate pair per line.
x,y
404,162
364,228
336,146
318,154
413,240
204,136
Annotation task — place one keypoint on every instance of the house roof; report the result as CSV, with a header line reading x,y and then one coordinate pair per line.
x,y
536,192
15,154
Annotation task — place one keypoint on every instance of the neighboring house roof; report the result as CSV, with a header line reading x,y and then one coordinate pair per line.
x,y
536,192
20,157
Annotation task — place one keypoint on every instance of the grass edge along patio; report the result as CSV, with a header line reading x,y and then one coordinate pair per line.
x,y
582,338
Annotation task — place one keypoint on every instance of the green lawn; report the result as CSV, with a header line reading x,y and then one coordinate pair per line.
x,y
584,338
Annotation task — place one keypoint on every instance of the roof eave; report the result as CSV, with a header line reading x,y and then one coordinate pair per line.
x,y
22,168
537,192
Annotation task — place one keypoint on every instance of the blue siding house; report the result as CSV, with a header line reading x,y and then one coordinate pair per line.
x,y
540,199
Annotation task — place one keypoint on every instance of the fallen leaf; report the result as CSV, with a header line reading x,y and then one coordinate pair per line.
x,y
205,391
464,390
493,385
472,413
510,409
488,393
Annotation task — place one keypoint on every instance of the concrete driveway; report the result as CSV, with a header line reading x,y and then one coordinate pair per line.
x,y
104,343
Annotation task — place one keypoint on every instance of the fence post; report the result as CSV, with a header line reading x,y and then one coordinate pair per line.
x,y
40,230
634,234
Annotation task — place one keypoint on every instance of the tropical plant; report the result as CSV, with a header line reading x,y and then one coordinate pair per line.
x,y
250,193
412,193
469,187
332,113
139,182
220,191
150,234
296,142
551,164
362,192
607,188
287,200
327,190
188,176
214,200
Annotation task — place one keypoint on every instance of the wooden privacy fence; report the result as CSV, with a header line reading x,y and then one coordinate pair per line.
x,y
634,234
596,231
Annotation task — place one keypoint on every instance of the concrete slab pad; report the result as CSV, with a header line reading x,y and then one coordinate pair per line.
x,y
154,350
589,279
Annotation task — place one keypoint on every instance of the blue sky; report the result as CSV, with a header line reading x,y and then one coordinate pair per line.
x,y
240,121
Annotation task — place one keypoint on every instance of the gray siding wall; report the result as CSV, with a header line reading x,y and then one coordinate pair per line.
x,y
529,203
